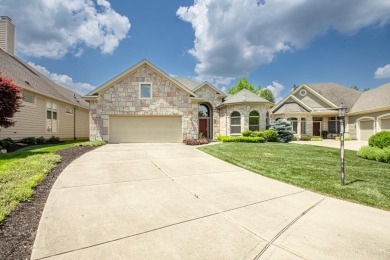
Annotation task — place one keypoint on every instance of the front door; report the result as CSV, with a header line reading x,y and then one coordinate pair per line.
x,y
203,127
316,128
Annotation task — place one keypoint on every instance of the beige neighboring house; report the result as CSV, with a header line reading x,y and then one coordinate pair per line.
x,y
48,109
312,110
145,104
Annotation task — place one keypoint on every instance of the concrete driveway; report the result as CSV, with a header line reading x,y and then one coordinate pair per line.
x,y
171,201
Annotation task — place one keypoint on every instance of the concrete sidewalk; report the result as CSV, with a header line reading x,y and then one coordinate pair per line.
x,y
349,145
171,201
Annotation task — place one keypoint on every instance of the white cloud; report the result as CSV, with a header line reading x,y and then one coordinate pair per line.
x,y
276,89
53,28
64,80
382,72
232,38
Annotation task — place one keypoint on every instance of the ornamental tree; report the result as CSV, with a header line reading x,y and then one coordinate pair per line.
x,y
10,101
283,127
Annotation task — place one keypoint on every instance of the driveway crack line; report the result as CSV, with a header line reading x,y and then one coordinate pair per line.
x,y
286,228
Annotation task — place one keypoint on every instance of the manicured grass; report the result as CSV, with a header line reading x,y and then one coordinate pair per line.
x,y
314,168
22,170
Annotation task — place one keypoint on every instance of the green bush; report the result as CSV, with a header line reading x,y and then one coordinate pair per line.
x,y
384,156
257,134
93,143
270,135
247,133
369,152
305,138
29,140
381,139
41,140
7,142
283,127
54,139
294,138
316,138
242,139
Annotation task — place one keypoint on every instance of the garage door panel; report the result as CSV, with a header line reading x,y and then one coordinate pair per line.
x,y
385,124
145,129
366,129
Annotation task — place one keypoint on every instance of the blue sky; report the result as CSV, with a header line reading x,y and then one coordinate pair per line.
x,y
83,43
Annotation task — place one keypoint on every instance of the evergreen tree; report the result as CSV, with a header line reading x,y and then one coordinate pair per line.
x,y
283,127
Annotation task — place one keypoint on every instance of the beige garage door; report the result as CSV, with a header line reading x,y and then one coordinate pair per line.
x,y
141,129
366,129
385,124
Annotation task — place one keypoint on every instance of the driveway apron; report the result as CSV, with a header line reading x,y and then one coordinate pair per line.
x,y
171,201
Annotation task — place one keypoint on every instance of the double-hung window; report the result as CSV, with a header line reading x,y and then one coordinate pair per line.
x,y
235,123
51,117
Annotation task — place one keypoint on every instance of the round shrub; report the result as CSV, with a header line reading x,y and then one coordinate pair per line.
x,y
29,140
381,139
305,138
41,140
257,134
247,133
6,142
384,156
369,152
271,135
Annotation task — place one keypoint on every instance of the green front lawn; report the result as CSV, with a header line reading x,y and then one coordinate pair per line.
x,y
22,170
314,168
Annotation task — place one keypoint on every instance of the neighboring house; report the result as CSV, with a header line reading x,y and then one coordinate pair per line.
x,y
144,104
312,110
47,108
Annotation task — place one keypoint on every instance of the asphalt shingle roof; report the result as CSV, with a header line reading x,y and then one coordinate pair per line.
x,y
336,93
25,76
188,83
375,98
245,96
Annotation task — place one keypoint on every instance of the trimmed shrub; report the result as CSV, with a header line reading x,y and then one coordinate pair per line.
x,y
381,139
29,140
54,139
247,133
316,138
384,156
345,138
283,127
7,142
242,139
369,152
257,134
294,138
305,138
270,135
41,140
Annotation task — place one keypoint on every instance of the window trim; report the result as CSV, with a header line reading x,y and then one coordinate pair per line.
x,y
140,90
303,92
71,109
51,110
231,125
292,120
26,102
258,116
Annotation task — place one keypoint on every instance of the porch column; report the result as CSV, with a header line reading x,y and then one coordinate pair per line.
x,y
299,130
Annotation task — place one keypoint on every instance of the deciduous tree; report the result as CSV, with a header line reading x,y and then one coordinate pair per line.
x,y
10,101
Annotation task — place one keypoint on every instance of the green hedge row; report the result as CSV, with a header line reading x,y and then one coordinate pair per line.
x,y
241,139
375,153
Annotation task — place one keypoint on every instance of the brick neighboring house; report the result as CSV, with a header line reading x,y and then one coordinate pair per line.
x,y
144,104
312,110
48,109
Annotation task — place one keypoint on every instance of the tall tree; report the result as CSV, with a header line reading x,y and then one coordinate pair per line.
x,y
241,84
267,94
10,101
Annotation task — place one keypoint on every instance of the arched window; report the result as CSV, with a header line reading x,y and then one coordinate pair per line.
x,y
203,111
254,121
303,126
235,123
294,124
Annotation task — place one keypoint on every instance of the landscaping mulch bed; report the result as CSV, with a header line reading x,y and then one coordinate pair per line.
x,y
18,230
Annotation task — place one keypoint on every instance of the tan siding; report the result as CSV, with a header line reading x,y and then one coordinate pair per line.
x,y
31,121
311,100
82,123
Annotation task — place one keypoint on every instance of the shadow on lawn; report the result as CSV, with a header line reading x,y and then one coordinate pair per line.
x,y
353,181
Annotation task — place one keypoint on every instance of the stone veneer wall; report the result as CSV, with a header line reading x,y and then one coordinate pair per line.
x,y
210,96
244,111
123,99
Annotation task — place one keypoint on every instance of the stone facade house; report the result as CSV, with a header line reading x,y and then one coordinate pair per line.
x,y
47,108
312,110
144,104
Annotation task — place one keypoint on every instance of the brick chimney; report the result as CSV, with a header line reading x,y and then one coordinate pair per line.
x,y
7,35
